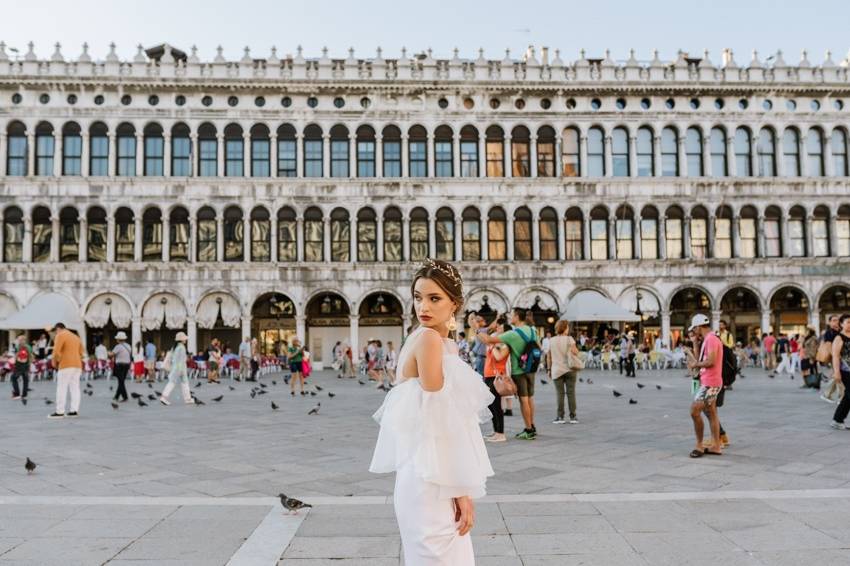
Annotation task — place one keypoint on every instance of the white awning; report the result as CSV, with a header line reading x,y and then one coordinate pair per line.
x,y
109,306
7,306
163,307
43,311
594,306
215,303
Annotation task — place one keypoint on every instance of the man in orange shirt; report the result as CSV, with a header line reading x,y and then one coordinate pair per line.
x,y
68,361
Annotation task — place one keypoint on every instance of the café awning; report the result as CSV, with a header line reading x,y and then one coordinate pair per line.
x,y
43,311
591,305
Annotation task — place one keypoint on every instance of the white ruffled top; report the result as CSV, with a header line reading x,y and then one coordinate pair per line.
x,y
437,431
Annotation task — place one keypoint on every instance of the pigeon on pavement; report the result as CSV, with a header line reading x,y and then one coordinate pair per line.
x,y
274,406
318,387
142,403
152,397
361,382
218,399
658,387
232,388
640,385
331,394
632,401
315,410
135,395
114,405
291,504
617,393
30,466
48,401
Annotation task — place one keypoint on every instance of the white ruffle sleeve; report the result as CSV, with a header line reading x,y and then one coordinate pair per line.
x,y
438,430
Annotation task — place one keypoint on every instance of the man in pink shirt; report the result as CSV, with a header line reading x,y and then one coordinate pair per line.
x,y
710,366
769,344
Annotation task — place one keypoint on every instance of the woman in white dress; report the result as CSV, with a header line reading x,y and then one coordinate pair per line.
x,y
430,433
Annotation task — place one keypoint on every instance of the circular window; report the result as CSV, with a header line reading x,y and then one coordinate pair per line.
x,y
838,104
790,105
767,105
312,102
519,103
719,103
153,100
207,100
232,101
339,102
495,103
365,102
72,99
443,103
44,98
596,104
98,99
468,103
286,102
545,103
126,100
621,104
743,103
16,98
670,104
645,103
260,101
180,100
815,105
694,103
571,103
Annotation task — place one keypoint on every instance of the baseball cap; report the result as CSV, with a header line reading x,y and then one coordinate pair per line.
x,y
699,320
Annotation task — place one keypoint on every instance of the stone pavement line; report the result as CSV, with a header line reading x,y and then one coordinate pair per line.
x,y
269,540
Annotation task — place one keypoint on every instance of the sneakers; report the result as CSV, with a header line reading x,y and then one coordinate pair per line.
x,y
56,416
838,426
73,414
573,420
559,420
509,412
526,435
164,401
15,397
496,437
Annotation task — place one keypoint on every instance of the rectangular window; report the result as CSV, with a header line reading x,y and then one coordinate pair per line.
x,y
625,245
152,241
208,158
340,240
495,159
545,159
69,242
673,235
520,161
699,237
573,240
418,240
366,158
287,164
126,156
178,241
796,238
233,239
722,238
392,158
260,240
842,231
747,237
766,165
367,241
644,165
522,240
392,240
339,158
669,165
419,158
471,240
99,158
313,243
598,239
772,242
44,155
497,249
153,156
443,159
13,242
97,242
445,239
125,236
72,148
16,164
548,240
313,151
287,240
233,156
820,237
41,236
468,159
595,165
206,240
260,158
181,157
649,238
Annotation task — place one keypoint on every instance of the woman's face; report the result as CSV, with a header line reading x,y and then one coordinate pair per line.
x,y
433,306
845,326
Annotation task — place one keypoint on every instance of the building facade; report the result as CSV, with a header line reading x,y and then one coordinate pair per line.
x,y
280,196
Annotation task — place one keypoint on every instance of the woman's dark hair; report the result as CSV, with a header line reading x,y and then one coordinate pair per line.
x,y
842,318
445,275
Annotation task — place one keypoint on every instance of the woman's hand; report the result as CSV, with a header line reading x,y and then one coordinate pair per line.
x,y
464,514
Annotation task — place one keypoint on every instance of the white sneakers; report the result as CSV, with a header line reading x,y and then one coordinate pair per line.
x,y
839,426
559,421
495,437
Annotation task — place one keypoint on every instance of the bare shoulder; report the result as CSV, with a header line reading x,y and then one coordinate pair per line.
x,y
429,341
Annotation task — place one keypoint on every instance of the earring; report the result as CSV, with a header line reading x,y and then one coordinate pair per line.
x,y
452,324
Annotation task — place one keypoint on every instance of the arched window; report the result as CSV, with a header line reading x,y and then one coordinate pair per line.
x,y
13,235
98,150
72,149
599,233
497,235
693,152
573,229
722,233
178,228
126,150
365,152
673,222
669,152
495,149
468,152
620,152
743,147
314,232
767,153
791,152
820,232
839,153
649,233
391,142
595,152
772,232
207,151
154,150
234,151
339,151
287,151
748,225
797,232
313,151
261,234
234,234
625,233
16,153
125,234
570,154
699,233
522,234
645,152
719,167
367,235
181,151
471,234
261,159
392,235
340,235
443,152
545,152
419,234
417,147
520,152
152,235
97,238
548,234
842,227
42,232
44,149
445,234
207,234
814,151
287,238
69,235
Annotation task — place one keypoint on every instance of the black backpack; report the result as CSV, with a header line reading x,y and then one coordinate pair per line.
x,y
730,366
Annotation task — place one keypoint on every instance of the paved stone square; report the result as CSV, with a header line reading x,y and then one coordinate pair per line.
x,y
197,485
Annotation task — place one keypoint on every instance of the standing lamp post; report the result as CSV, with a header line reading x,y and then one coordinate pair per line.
x,y
639,314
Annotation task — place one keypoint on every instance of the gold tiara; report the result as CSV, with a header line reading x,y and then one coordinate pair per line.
x,y
449,272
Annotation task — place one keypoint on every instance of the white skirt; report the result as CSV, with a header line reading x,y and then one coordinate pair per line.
x,y
429,534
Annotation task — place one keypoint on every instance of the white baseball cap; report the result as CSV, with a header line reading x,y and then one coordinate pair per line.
x,y
121,335
699,320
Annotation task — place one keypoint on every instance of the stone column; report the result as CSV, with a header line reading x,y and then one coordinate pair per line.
x,y
299,238
509,231
637,251
715,320
84,155
301,327
432,170
405,157
557,156
246,154
3,151
219,156
273,238
507,155
706,157
136,329
140,154
656,157
54,238
535,237
352,240
731,164
810,244
456,155
83,252
585,236
779,160
562,241
533,155
166,237
30,154
299,155
665,328
166,155
246,327
27,251
326,239
326,156
432,235
765,320
192,333
801,151
273,155
760,243
112,152
662,237
686,237
736,236
193,240
682,156
458,238
138,237
710,233
379,252
482,156
405,238
219,237
110,239
828,164
354,335
352,155
195,155
753,158
784,236
485,240
246,238
608,156
612,237
379,156
833,236
633,170
57,158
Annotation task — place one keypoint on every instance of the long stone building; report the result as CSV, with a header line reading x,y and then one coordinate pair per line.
x,y
274,196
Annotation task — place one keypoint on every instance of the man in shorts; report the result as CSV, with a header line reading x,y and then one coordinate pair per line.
x,y
710,365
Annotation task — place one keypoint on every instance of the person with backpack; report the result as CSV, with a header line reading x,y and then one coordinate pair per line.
x,y
525,359
710,365
175,365
808,362
122,355
23,359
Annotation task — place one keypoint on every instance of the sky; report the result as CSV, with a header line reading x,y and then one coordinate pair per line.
x,y
494,25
